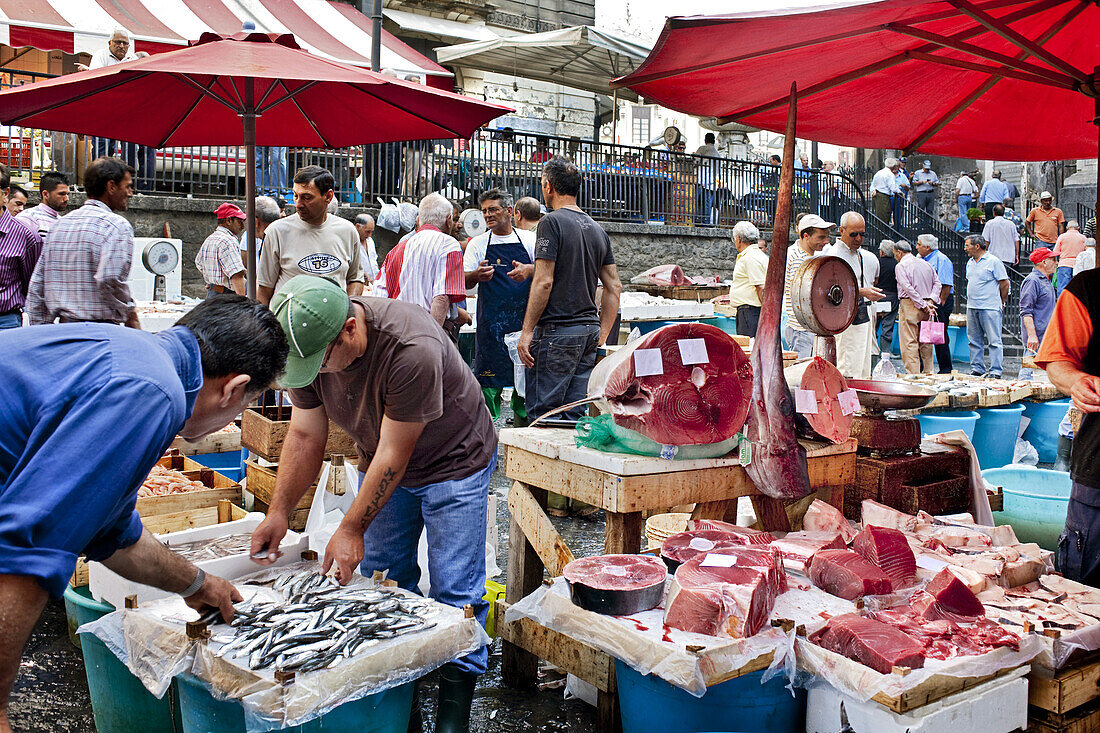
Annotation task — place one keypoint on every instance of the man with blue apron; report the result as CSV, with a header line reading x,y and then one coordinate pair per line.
x,y
500,264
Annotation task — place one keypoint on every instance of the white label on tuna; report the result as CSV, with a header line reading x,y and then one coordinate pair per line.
x,y
648,363
702,544
849,401
693,351
930,563
718,561
805,401
615,570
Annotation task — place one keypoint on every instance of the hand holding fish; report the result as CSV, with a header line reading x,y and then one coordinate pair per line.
x,y
266,539
218,593
345,549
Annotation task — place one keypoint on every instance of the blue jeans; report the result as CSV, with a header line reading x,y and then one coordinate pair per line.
x,y
11,320
1065,274
983,327
564,357
963,224
271,170
454,514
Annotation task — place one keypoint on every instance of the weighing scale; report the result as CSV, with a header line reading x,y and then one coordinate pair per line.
x,y
824,297
160,257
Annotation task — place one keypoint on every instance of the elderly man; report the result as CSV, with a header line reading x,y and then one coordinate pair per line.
x,y
919,290
82,275
1046,221
1087,259
1071,243
925,183
1003,237
54,189
85,412
17,200
219,257
747,290
268,212
928,247
853,345
813,237
1037,298
20,248
385,373
528,212
993,192
884,187
368,253
986,294
311,241
887,282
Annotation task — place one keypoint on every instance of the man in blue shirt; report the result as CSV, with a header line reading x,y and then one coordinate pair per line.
x,y
993,192
1037,298
986,293
928,247
86,409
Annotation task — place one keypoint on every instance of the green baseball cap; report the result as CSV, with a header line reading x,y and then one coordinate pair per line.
x,y
311,310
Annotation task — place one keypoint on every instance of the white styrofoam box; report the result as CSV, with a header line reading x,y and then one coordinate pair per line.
x,y
635,306
578,688
997,706
109,587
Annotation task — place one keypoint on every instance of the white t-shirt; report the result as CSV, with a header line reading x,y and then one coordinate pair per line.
x,y
870,262
965,186
1002,236
369,259
104,57
294,247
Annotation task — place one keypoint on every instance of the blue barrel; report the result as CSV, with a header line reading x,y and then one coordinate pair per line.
x,y
995,435
384,712
1035,502
941,422
960,344
120,703
650,704
1042,431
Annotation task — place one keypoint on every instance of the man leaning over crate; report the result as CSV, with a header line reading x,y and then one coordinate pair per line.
x,y
386,373
86,409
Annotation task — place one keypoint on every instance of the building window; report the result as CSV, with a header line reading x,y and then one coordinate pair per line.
x,y
640,117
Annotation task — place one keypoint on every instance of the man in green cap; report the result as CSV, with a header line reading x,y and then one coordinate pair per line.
x,y
388,375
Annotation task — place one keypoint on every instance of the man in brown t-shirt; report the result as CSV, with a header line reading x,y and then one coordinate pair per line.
x,y
386,373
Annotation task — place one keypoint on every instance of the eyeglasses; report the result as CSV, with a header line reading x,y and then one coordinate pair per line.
x,y
492,210
856,234
328,353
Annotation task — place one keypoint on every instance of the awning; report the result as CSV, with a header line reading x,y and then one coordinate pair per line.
x,y
414,24
328,29
581,57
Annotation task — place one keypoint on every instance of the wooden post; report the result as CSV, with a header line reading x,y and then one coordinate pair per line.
x,y
519,668
624,533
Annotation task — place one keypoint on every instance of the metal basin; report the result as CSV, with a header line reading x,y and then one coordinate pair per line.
x,y
879,396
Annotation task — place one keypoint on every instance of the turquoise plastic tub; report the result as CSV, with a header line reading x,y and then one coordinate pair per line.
x,y
959,343
995,435
941,422
1035,501
1042,431
384,712
120,703
650,705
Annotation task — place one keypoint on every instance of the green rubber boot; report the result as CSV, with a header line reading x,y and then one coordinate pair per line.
x,y
456,694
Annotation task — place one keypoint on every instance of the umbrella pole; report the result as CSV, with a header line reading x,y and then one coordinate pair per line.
x,y
249,119
1096,121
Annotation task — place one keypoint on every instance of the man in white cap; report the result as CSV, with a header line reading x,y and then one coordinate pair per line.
x,y
1045,222
813,237
853,345
925,182
884,187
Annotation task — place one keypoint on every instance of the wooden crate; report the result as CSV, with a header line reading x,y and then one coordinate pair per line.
x,y
261,484
698,293
1085,719
219,488
1067,689
215,443
261,433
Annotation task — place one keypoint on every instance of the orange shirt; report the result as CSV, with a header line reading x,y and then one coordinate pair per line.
x,y
1068,334
1047,223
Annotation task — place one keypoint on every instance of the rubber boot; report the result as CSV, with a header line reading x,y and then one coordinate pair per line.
x,y
1065,447
416,720
456,694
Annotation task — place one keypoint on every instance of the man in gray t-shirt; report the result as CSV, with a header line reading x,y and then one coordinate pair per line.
x,y
562,326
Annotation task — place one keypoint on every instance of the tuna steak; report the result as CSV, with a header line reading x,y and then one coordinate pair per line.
x,y
827,420
845,574
616,584
875,644
798,548
881,515
683,546
725,593
749,536
697,392
947,597
823,517
889,550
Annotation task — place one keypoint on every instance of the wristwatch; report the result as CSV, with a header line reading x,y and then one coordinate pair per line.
x,y
195,585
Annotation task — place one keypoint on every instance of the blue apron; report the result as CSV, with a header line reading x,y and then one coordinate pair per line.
x,y
501,304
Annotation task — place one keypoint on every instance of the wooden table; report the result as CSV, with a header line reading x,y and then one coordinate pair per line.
x,y
624,486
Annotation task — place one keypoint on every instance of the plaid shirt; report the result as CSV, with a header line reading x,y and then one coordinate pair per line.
x,y
219,257
82,272
39,218
19,250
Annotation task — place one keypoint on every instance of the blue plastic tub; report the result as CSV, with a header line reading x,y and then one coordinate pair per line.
x,y
383,712
229,461
941,422
120,703
1042,431
1035,501
995,435
649,704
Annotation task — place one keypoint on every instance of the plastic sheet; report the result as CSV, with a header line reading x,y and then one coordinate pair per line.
x,y
646,644
602,434
152,642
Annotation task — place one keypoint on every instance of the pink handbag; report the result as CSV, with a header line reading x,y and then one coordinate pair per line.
x,y
932,331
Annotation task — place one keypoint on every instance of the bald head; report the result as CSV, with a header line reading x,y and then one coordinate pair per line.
x,y
852,229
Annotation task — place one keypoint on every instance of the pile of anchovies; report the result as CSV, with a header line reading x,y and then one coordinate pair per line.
x,y
320,624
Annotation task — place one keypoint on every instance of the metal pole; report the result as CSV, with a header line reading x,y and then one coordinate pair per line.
x,y
376,37
1096,121
249,118
615,116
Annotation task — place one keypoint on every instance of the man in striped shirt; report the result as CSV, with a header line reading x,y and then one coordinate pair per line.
x,y
54,188
219,257
426,268
82,275
20,248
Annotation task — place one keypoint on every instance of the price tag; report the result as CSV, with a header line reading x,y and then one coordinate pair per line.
x,y
718,561
693,351
849,401
930,563
648,363
805,401
744,454
702,544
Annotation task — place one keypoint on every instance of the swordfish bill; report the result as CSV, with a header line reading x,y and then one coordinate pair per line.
x,y
778,466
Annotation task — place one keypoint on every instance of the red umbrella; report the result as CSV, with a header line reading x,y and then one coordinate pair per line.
x,y
245,89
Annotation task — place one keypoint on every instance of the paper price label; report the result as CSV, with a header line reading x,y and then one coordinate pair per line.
x,y
648,363
805,401
693,351
718,561
849,401
744,454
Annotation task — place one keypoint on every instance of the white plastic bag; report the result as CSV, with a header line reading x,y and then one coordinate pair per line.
x,y
328,510
1025,453
511,340
388,216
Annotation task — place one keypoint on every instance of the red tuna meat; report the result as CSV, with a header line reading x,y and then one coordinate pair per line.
x,y
719,600
823,517
749,536
686,404
826,382
616,584
845,574
681,547
875,644
799,548
947,597
664,275
889,550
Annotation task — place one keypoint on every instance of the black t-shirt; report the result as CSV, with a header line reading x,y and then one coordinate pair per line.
x,y
887,280
579,248
1083,464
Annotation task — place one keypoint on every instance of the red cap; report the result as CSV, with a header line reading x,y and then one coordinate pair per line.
x,y
229,211
1040,254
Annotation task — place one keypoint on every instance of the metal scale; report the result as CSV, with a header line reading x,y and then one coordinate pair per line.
x,y
160,257
824,297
